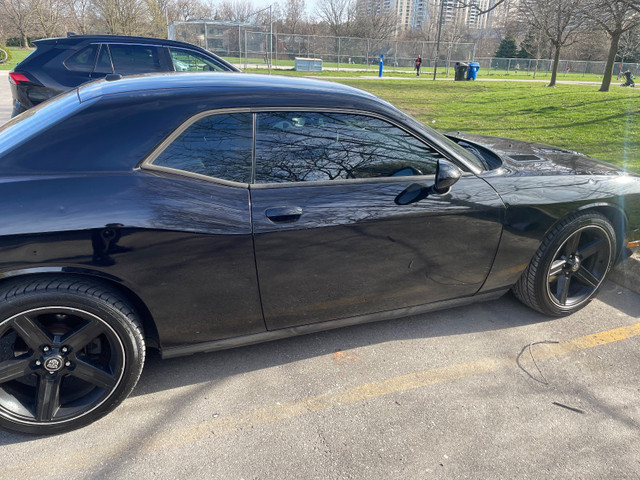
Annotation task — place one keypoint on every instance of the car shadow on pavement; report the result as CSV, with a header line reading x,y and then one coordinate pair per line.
x,y
207,369
503,313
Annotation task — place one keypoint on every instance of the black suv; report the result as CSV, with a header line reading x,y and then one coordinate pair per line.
x,y
60,64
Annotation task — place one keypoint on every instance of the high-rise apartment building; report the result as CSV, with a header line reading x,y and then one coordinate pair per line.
x,y
414,14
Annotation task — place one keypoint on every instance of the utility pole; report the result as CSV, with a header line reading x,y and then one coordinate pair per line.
x,y
435,65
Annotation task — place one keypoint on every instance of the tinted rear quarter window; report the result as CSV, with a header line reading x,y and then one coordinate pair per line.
x,y
83,60
132,59
218,146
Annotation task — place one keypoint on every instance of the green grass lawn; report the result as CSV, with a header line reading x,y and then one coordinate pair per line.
x,y
573,116
17,54
577,117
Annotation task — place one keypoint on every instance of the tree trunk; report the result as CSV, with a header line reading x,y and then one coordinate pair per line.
x,y
556,64
611,60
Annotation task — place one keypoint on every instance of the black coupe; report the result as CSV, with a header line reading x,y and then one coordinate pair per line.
x,y
202,212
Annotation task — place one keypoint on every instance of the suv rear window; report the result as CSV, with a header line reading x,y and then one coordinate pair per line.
x,y
131,59
83,60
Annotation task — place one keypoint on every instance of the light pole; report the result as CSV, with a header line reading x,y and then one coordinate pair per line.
x,y
270,34
435,65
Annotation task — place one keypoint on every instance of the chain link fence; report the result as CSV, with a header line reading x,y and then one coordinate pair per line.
x,y
243,45
529,67
252,46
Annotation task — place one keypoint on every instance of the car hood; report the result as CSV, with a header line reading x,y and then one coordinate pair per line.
x,y
525,158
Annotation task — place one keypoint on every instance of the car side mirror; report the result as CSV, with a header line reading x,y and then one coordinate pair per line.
x,y
446,175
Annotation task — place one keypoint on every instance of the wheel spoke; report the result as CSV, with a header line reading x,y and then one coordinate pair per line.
x,y
14,369
591,248
31,332
588,278
562,290
94,375
48,401
572,244
80,338
556,267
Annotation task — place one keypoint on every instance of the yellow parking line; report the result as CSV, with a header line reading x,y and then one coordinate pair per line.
x,y
275,413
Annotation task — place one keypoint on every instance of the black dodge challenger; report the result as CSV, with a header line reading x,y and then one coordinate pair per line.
x,y
202,212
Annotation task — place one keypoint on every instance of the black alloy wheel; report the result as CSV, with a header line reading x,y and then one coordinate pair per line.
x,y
570,266
70,352
579,266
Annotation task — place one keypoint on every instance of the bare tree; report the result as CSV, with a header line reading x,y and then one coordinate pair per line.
x,y
19,16
338,15
379,27
235,10
79,14
124,17
186,10
629,45
47,15
559,20
615,17
294,14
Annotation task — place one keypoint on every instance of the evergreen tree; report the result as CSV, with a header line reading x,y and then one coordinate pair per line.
x,y
507,48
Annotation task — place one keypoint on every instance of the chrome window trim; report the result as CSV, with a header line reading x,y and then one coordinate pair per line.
x,y
147,163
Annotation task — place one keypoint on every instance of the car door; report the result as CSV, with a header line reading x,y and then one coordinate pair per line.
x,y
205,240
330,241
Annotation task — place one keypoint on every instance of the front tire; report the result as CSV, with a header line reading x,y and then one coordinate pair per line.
x,y
70,352
570,266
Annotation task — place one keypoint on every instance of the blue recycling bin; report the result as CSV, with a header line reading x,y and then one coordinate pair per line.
x,y
472,72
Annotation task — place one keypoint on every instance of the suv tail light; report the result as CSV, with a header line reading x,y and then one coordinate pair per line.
x,y
18,78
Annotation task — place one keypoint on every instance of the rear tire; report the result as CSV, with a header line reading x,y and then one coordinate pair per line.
x,y
70,352
570,266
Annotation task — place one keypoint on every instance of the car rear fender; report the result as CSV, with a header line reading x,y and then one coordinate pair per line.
x,y
114,283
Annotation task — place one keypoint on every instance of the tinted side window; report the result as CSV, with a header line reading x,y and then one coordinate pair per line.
x,y
83,60
103,65
131,59
188,61
307,146
217,146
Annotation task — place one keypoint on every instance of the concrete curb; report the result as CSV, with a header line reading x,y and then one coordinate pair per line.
x,y
627,273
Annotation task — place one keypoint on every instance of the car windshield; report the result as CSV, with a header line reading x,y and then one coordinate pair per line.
x,y
30,123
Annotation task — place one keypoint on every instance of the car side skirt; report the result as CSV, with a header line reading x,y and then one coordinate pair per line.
x,y
330,325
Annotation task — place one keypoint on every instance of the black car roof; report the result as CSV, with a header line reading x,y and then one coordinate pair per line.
x,y
254,86
81,39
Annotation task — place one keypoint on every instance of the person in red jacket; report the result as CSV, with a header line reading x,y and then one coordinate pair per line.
x,y
418,64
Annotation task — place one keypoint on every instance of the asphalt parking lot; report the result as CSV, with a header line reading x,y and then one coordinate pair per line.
x,y
492,390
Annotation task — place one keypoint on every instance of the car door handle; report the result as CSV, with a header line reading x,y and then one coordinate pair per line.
x,y
283,214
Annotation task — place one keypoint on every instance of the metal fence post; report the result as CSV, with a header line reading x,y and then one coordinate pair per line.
x,y
368,47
